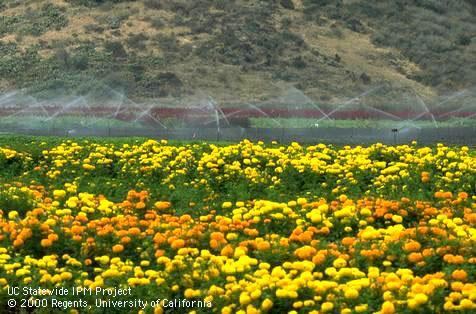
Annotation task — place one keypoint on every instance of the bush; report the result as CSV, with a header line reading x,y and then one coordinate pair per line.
x,y
464,39
286,23
115,22
94,28
116,49
163,84
298,62
63,58
120,80
137,41
157,22
168,43
49,17
79,62
153,4
91,3
365,78
287,4
292,38
355,25
312,7
138,71
8,48
437,6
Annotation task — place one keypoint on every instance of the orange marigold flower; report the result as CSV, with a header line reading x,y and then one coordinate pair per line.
x,y
251,232
177,244
159,238
53,237
76,229
447,195
306,236
162,205
471,218
284,242
305,252
125,240
227,251
319,258
134,231
263,245
214,244
118,248
405,200
185,218
18,242
218,236
458,259
46,242
412,246
439,194
140,205
428,252
77,238
463,195
415,257
459,274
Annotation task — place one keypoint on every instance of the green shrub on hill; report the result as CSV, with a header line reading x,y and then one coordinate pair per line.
x,y
34,22
96,2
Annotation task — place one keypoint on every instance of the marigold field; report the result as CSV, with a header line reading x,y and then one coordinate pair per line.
x,y
250,227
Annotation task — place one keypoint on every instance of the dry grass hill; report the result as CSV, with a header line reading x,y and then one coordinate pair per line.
x,y
237,50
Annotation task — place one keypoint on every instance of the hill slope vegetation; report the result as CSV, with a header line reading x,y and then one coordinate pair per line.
x,y
237,50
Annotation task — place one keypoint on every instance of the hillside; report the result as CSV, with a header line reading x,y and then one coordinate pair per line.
x,y
237,50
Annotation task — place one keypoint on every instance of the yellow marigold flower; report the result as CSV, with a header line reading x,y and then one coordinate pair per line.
x,y
59,193
351,293
12,215
226,205
266,305
467,304
397,219
327,306
421,298
88,167
339,263
245,299
388,308
301,201
361,308
66,275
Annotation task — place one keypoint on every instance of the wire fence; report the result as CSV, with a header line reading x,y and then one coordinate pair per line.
x,y
332,135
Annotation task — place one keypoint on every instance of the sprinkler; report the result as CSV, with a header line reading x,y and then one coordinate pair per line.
x,y
395,134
